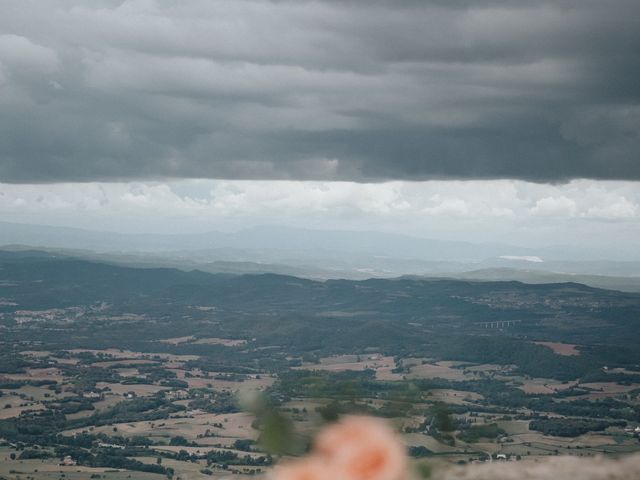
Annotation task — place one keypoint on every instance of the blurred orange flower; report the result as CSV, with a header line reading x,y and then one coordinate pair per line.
x,y
305,469
356,448
362,448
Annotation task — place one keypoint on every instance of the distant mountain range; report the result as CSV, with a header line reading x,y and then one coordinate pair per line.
x,y
324,254
264,238
348,311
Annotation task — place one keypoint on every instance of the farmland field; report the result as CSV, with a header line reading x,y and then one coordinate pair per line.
x,y
135,378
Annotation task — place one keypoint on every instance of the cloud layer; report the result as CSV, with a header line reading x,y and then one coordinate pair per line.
x,y
326,90
579,212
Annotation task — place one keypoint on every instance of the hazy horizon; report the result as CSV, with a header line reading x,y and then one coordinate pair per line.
x,y
585,213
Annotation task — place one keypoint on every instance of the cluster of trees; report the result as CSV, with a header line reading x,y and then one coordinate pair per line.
x,y
475,432
31,453
224,458
221,458
42,427
112,458
74,404
342,386
214,402
180,441
12,362
419,451
571,427
14,384
529,358
138,409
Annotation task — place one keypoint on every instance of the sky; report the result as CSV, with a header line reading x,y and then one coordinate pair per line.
x,y
448,119
583,212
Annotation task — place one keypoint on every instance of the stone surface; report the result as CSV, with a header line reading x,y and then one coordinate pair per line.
x,y
555,468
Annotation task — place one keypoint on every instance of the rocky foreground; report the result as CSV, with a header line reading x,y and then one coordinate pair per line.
x,y
554,468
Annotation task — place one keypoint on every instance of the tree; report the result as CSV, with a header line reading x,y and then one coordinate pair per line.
x,y
179,440
442,417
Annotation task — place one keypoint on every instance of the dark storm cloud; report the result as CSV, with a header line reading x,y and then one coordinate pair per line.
x,y
351,90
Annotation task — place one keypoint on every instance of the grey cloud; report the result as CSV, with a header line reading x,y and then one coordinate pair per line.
x,y
335,90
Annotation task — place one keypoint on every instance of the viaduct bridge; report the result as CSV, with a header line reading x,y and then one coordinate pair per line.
x,y
499,324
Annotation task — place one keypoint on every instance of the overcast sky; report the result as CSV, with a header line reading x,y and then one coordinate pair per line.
x,y
327,89
130,97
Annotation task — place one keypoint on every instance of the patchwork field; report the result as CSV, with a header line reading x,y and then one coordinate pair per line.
x,y
566,349
138,381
